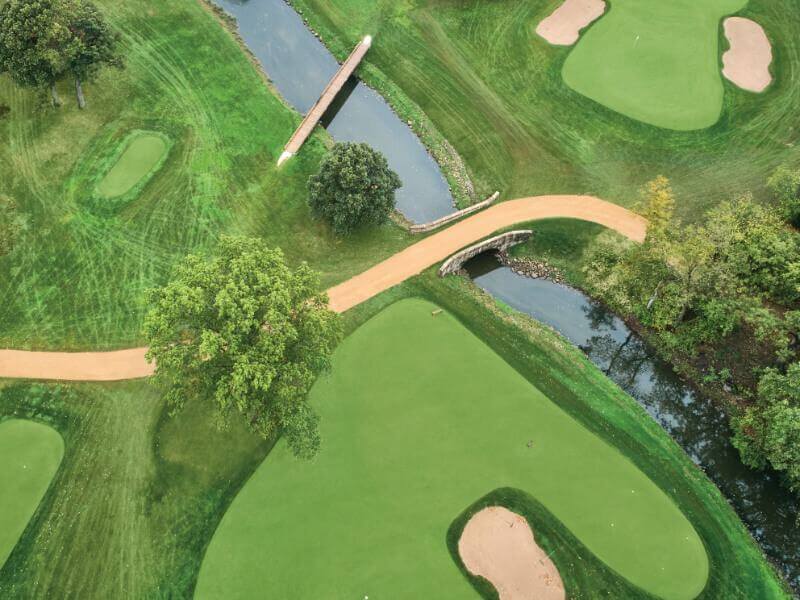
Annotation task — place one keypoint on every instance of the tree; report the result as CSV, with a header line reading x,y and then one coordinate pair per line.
x,y
757,248
92,44
246,333
785,187
353,188
769,431
658,206
33,40
41,41
11,225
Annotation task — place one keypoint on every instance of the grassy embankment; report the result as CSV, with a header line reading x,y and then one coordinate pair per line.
x,y
495,90
171,480
76,278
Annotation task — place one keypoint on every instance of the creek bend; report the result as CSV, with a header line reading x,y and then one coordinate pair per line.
x,y
695,423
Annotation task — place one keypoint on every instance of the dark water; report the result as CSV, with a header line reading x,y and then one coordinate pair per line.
x,y
300,67
696,424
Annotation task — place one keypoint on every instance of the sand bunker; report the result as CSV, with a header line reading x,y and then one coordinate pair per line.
x,y
747,61
563,26
498,545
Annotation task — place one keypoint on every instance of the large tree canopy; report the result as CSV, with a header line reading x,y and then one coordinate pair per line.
x,y
353,188
244,331
33,42
42,41
769,431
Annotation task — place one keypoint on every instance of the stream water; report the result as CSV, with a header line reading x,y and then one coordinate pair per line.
x,y
766,507
300,67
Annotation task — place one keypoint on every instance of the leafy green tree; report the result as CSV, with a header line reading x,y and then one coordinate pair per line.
x,y
658,206
11,225
92,45
33,40
354,187
758,250
769,431
246,333
785,187
42,41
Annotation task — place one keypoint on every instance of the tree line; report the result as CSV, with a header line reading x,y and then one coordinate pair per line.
x,y
723,296
45,41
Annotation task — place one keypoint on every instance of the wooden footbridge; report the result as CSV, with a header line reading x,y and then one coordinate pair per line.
x,y
328,94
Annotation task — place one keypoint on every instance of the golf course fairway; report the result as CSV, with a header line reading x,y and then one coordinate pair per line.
x,y
29,457
419,418
657,62
141,155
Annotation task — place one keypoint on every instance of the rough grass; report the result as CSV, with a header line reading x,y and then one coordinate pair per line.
x,y
437,420
131,507
495,90
76,279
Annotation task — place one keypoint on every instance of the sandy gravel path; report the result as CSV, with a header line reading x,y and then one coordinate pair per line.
x,y
130,363
498,545
563,26
746,62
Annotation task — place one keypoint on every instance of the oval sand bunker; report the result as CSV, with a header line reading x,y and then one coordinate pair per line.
x,y
747,61
141,156
498,545
563,26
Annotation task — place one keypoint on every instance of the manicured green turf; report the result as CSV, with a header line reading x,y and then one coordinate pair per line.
x,y
140,156
77,278
143,510
434,421
658,62
495,89
29,457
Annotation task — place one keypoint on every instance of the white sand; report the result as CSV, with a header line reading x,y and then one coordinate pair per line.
x,y
563,26
747,61
498,545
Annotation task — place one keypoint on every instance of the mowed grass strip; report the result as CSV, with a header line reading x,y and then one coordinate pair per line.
x,y
141,155
657,62
29,457
419,419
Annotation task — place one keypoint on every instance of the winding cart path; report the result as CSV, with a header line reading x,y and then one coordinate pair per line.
x,y
131,364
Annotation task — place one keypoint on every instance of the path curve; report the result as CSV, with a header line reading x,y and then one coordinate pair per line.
x,y
130,363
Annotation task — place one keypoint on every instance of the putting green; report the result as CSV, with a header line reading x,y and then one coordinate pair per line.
x,y
142,153
419,419
29,457
655,61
